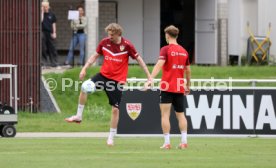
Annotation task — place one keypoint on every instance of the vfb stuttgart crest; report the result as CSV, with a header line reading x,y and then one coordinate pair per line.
x,y
122,47
134,110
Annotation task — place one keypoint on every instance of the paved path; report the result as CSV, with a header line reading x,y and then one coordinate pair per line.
x,y
62,135
57,70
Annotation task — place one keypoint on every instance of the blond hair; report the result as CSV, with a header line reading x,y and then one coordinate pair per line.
x,y
114,28
172,31
45,3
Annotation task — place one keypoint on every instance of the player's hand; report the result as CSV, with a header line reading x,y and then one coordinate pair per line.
x,y
187,91
147,85
82,74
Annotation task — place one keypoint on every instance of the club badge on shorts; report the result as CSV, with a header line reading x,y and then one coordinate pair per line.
x,y
122,47
134,110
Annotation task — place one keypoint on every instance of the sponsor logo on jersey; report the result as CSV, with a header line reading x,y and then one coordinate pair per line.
x,y
113,59
175,66
178,54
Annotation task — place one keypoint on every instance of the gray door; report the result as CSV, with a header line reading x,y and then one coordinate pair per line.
x,y
206,32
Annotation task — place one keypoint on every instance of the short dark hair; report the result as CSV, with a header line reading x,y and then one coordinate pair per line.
x,y
172,31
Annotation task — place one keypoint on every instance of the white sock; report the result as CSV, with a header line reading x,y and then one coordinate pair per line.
x,y
80,110
112,133
184,137
167,138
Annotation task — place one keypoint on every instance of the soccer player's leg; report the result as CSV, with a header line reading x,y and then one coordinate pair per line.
x,y
165,107
113,126
178,104
77,118
114,94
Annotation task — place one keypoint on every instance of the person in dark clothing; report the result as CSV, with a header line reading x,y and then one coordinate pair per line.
x,y
48,20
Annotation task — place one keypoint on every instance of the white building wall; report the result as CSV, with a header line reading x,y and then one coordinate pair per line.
x,y
91,8
249,15
267,15
241,12
259,13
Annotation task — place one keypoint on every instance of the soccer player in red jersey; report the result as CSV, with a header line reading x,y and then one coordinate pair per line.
x,y
116,51
174,62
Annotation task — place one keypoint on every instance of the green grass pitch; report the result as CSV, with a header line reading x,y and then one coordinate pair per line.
x,y
136,153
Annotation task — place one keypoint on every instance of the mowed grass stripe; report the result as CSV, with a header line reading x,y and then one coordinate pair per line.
x,y
136,152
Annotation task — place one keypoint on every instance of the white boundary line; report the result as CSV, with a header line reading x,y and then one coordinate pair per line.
x,y
209,88
105,135
62,135
202,135
212,80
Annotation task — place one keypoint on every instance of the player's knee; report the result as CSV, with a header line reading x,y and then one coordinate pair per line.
x,y
180,116
165,116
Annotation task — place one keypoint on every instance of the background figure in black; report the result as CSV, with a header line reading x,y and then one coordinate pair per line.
x,y
48,20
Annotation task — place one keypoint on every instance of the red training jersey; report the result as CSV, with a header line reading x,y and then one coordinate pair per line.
x,y
115,62
177,58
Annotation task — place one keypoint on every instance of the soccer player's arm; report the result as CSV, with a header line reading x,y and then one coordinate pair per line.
x,y
91,60
133,53
144,67
158,66
188,77
161,61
